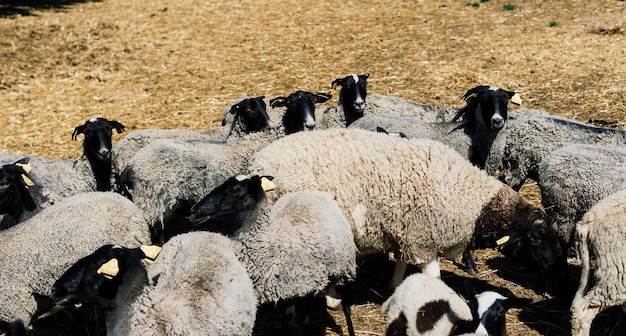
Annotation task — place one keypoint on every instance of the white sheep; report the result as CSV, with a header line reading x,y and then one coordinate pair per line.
x,y
417,196
532,135
38,251
197,286
167,172
424,305
574,178
292,247
600,236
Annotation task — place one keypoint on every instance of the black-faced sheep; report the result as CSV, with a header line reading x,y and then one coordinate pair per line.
x,y
247,115
600,236
14,195
416,196
532,135
351,104
197,286
297,246
39,250
300,110
424,305
476,136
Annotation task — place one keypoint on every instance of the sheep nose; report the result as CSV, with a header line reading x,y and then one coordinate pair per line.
x,y
309,126
359,105
497,122
104,152
309,122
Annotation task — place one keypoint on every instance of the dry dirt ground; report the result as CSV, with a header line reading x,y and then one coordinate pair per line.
x,y
177,64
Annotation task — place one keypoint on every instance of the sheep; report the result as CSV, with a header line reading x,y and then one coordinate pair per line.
x,y
387,185
244,116
14,195
196,286
489,310
600,235
300,109
166,172
533,134
40,249
399,107
351,104
424,305
574,178
477,137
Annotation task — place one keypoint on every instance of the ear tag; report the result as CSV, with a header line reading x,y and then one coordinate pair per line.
x,y
25,166
151,252
267,185
109,269
503,240
516,99
27,181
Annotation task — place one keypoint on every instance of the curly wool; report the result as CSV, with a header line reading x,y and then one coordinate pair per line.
x,y
38,251
296,246
414,195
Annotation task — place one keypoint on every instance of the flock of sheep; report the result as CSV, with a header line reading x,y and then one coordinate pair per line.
x,y
264,212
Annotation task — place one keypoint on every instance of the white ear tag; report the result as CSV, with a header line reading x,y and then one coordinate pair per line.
x,y
503,240
25,166
151,251
267,185
109,269
516,99
29,182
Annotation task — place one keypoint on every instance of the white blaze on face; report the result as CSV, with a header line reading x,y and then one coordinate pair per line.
x,y
494,88
242,177
486,299
309,122
358,100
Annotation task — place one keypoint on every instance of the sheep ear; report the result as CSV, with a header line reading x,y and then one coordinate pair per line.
x,y
151,251
366,76
336,82
78,130
473,92
515,98
278,102
24,165
109,269
234,109
117,125
321,97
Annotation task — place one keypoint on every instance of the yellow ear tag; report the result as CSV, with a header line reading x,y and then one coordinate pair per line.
x,y
25,166
151,252
267,185
109,269
516,99
503,240
29,182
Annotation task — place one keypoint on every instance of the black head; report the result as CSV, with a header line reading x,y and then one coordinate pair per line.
x,y
98,133
487,106
225,207
352,95
300,113
488,311
15,328
251,115
14,195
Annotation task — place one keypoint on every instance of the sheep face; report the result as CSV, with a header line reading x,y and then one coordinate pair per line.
x,y
225,207
14,195
300,113
251,114
487,106
491,308
352,95
98,133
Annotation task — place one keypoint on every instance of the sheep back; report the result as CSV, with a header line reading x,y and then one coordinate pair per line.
x,y
297,246
38,251
395,106
197,286
417,195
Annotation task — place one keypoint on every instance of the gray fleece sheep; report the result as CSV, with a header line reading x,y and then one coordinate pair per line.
x,y
244,116
532,135
600,236
574,178
38,251
197,286
424,305
292,247
417,196
166,172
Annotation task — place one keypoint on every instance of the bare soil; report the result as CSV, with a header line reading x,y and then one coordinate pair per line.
x,y
178,64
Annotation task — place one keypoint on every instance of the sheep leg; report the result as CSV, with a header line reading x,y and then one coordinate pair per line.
x,y
398,273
